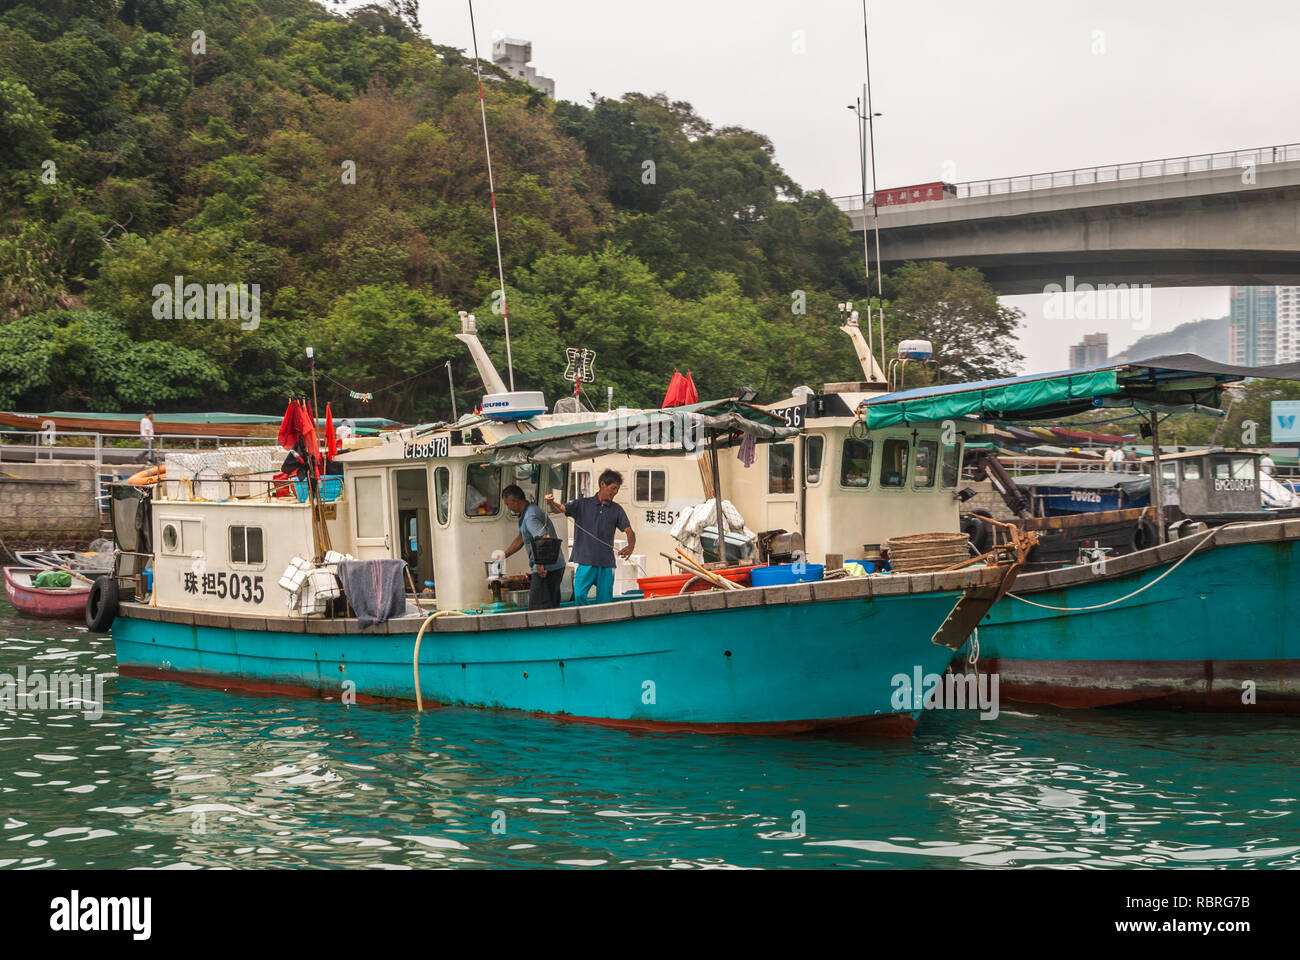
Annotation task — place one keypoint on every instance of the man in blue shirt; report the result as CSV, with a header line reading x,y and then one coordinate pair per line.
x,y
596,520
544,582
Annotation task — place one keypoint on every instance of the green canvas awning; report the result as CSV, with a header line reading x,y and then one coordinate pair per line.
x,y
1174,383
672,432
996,398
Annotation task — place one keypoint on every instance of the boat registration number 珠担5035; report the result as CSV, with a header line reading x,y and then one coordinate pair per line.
x,y
225,586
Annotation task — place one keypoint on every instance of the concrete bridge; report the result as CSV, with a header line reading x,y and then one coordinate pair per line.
x,y
1211,220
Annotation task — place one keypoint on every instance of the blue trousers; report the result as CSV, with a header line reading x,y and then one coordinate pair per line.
x,y
585,577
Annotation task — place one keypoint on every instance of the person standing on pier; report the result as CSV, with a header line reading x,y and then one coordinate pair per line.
x,y
146,434
596,520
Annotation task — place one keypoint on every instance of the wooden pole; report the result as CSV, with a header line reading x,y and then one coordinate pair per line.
x,y
717,497
1157,481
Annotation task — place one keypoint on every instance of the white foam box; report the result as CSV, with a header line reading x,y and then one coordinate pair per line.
x,y
295,574
323,583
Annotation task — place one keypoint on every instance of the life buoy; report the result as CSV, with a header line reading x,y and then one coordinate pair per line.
x,y
147,476
101,604
1145,535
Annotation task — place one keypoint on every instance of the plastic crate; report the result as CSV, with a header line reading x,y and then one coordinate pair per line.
x,y
330,489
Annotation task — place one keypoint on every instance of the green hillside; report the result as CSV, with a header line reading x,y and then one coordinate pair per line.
x,y
337,163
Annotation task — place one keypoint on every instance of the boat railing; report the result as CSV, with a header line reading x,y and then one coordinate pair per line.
x,y
1027,465
116,456
236,487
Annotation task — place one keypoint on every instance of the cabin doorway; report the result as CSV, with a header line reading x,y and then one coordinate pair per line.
x,y
414,533
782,503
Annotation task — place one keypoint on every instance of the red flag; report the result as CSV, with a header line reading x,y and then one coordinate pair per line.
x,y
674,395
331,439
307,426
290,430
689,393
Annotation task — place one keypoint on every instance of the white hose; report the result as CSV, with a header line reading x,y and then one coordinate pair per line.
x,y
415,658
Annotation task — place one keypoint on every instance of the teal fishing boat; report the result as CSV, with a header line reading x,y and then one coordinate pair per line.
x,y
1196,620
772,660
776,659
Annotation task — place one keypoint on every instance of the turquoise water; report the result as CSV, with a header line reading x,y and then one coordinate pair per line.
x,y
176,776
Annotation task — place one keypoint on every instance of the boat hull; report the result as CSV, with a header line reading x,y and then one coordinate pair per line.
x,y
769,666
1213,635
65,604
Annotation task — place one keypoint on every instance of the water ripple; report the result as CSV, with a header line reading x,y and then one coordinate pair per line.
x,y
175,777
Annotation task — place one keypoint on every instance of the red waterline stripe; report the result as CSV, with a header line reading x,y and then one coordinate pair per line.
x,y
877,725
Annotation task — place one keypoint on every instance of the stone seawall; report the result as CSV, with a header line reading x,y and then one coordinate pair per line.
x,y
48,505
986,498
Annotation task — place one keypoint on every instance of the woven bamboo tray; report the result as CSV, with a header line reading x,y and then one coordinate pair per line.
x,y
927,552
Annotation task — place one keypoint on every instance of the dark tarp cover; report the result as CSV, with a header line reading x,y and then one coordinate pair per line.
x,y
1130,483
655,433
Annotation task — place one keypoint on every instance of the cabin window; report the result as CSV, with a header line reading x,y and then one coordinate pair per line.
x,y
651,486
1169,471
814,447
951,465
482,490
579,484
246,545
369,506
855,463
893,463
442,493
171,537
927,455
1191,469
780,468
1234,468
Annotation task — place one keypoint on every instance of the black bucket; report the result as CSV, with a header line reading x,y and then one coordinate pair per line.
x,y
546,550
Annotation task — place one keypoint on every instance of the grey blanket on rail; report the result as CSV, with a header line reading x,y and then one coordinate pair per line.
x,y
376,589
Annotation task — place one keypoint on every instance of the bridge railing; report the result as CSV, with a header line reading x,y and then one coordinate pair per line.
x,y
1109,173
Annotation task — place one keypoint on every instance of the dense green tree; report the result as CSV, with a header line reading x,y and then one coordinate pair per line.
x,y
958,312
88,359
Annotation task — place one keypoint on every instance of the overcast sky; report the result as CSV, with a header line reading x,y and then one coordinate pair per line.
x,y
967,90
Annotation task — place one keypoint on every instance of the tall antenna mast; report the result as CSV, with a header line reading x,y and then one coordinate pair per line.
x,y
875,208
496,229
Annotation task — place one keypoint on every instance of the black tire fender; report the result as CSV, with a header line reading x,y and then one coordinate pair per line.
x,y
101,604
1145,535
980,533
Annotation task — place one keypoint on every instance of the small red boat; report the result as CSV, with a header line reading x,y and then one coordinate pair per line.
x,y
63,603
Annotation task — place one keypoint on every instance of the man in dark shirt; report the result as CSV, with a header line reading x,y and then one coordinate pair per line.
x,y
596,520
